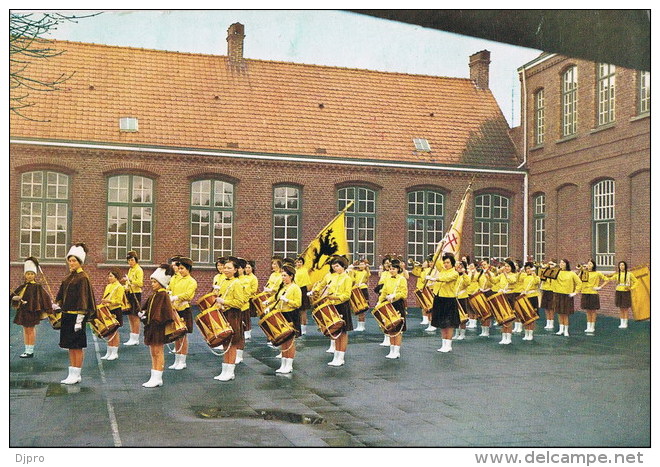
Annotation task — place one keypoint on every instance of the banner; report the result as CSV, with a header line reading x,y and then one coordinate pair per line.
x,y
451,242
641,294
330,241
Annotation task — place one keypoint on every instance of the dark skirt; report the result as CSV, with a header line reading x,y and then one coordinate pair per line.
x,y
444,313
27,318
247,322
547,300
344,310
186,316
590,301
70,339
154,334
306,304
622,299
235,318
134,299
534,301
365,293
400,306
293,317
564,304
118,315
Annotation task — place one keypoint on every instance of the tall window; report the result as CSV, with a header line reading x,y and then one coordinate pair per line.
x,y
603,223
569,101
425,222
539,228
644,92
606,93
130,216
491,226
539,113
44,225
286,221
360,220
211,220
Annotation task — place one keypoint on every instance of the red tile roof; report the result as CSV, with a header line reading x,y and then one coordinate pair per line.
x,y
203,102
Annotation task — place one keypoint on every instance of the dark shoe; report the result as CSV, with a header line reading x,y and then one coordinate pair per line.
x,y
26,355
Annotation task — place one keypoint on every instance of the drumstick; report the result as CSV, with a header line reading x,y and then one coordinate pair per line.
x,y
50,292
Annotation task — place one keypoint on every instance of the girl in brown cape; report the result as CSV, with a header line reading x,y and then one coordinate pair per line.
x,y
156,313
31,302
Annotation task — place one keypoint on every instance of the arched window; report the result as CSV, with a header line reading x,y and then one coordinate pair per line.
x,y
360,220
44,224
539,227
425,222
491,226
644,91
604,223
539,117
130,216
211,220
287,213
606,93
569,96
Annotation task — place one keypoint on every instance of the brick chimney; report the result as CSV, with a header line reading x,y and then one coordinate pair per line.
x,y
235,36
479,68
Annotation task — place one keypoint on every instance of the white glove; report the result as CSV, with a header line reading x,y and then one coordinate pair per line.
x,y
266,310
78,326
220,301
264,303
309,294
598,288
284,299
141,314
266,289
216,287
15,298
572,294
173,298
55,307
431,278
390,297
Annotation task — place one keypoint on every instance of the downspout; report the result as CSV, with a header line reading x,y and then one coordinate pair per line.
x,y
524,162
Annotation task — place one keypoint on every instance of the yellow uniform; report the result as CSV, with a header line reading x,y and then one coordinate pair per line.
x,y
302,277
396,286
274,281
292,298
594,279
473,284
624,282
136,279
340,286
567,282
421,276
360,278
531,285
184,289
445,283
506,282
116,295
233,293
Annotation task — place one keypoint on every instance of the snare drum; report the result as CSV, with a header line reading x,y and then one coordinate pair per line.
x,y
461,312
214,327
55,318
479,303
207,301
175,328
327,319
424,297
501,308
388,318
276,327
524,311
105,322
358,303
257,300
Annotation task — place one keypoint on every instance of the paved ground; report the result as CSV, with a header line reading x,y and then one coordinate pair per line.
x,y
588,391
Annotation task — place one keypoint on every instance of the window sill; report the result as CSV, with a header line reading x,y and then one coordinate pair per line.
x,y
567,138
643,116
124,264
602,128
536,148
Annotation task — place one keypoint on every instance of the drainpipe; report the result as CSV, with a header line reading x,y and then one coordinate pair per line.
x,y
524,162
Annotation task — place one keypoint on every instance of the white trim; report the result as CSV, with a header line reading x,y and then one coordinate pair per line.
x,y
269,157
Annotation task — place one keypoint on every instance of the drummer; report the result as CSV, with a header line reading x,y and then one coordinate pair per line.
x,y
245,309
395,291
304,282
383,273
156,313
518,288
462,284
487,278
530,290
182,289
360,280
421,271
251,285
547,296
473,287
231,299
338,293
114,297
507,281
288,299
275,278
134,280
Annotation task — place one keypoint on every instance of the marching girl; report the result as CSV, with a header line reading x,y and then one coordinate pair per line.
x,y
288,299
31,302
531,290
182,289
76,300
156,313
462,285
548,299
444,314
360,280
625,282
487,280
134,280
232,299
114,296
518,288
317,294
472,287
421,272
507,281
383,272
275,278
590,300
338,294
245,309
395,291
564,289
304,282
251,286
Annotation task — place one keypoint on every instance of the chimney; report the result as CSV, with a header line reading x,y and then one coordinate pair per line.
x,y
235,36
479,67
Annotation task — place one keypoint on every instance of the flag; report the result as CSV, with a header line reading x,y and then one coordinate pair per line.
x,y
330,241
641,294
451,242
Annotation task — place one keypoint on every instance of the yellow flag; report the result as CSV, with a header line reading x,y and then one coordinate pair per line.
x,y
330,241
451,242
641,294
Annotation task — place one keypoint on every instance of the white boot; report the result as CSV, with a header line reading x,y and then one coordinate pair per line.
x,y
431,328
517,327
303,329
282,366
531,335
133,339
248,335
239,356
386,341
288,366
114,353
549,324
425,320
338,359
155,380
391,354
182,362
624,323
508,337
108,352
503,341
227,372
566,330
360,326
446,346
73,377
331,349
485,331
460,334
177,359
561,330
395,352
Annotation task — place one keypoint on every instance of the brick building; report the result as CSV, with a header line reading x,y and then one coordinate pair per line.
x,y
206,155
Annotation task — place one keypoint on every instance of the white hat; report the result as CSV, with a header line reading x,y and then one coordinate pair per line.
x,y
30,265
162,278
78,252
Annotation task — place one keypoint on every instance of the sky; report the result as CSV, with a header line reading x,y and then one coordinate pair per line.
x,y
319,37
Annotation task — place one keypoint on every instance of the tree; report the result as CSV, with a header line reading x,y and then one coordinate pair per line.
x,y
27,45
